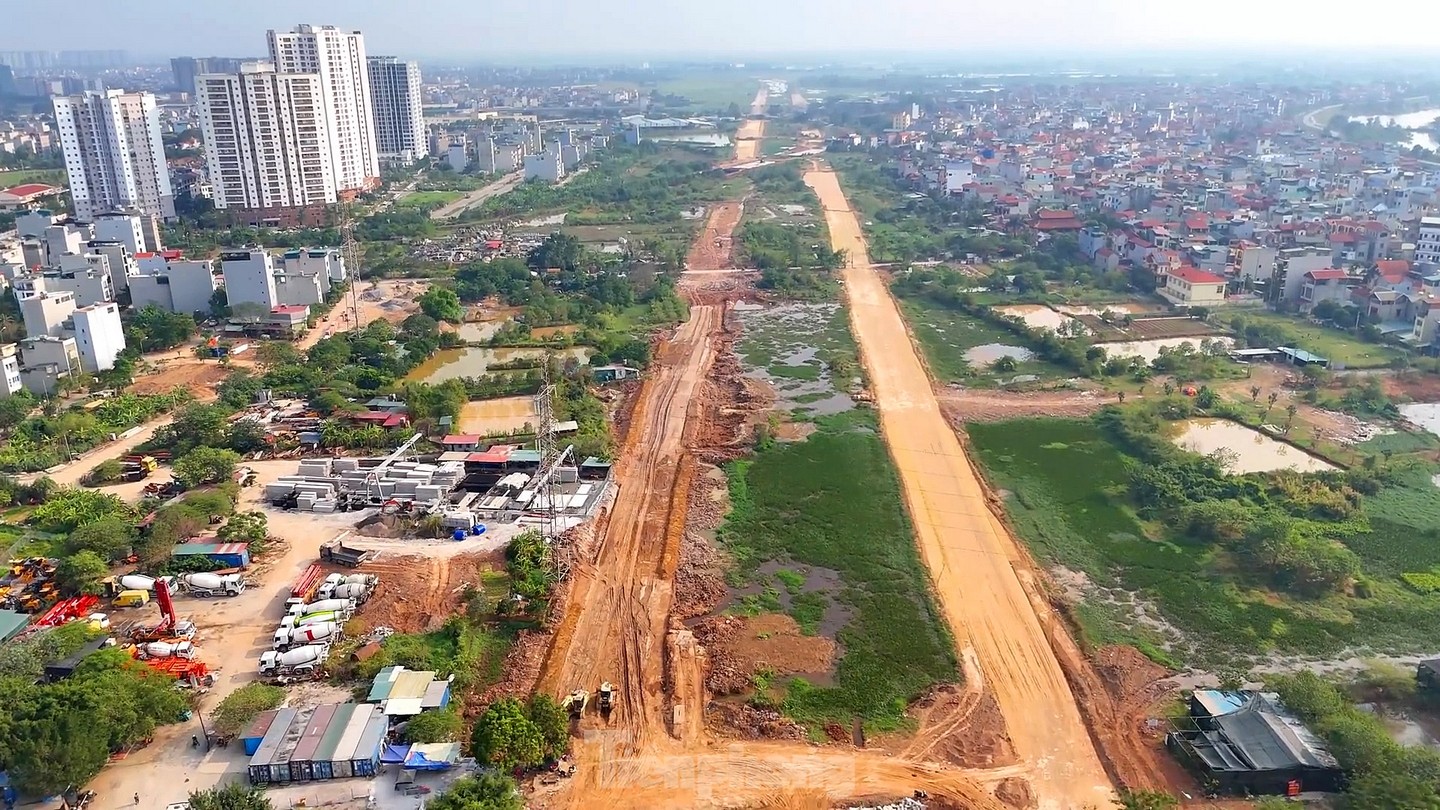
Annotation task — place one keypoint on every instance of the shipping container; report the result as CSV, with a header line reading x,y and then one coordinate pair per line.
x,y
230,555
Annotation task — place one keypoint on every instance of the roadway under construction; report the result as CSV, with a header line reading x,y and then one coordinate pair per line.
x,y
618,623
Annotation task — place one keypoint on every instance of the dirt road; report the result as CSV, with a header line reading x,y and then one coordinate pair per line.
x,y
761,102
971,558
616,626
478,196
748,139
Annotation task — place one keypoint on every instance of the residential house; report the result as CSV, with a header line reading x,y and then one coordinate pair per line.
x,y
1190,287
1328,284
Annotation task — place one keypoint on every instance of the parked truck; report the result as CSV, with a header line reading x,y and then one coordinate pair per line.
x,y
320,632
173,648
114,586
205,585
332,616
355,586
300,661
346,606
341,554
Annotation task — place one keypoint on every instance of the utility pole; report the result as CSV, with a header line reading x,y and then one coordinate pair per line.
x,y
350,251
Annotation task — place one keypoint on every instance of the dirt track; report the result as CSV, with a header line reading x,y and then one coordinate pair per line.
x,y
971,558
748,139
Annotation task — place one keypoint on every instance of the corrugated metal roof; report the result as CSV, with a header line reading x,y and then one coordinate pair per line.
x,y
260,726
403,707
371,739
183,549
354,729
411,684
270,745
325,751
384,682
314,732
435,695
12,623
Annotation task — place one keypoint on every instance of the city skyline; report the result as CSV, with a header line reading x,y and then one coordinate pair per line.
x,y
509,28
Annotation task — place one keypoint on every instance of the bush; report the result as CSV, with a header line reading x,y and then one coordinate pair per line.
x,y
433,727
1425,583
241,706
106,472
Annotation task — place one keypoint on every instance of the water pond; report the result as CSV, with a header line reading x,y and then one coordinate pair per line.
x,y
1249,449
475,361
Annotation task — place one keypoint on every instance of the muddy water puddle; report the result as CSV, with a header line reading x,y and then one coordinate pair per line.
x,y
1148,350
1424,414
789,346
476,361
984,355
806,593
1246,450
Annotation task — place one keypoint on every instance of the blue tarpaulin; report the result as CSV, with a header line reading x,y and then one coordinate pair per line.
x,y
432,757
394,753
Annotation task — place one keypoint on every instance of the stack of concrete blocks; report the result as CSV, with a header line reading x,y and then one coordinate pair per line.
x,y
401,481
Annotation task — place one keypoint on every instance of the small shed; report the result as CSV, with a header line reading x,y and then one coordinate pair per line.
x,y
230,555
404,693
1300,357
593,469
1249,743
460,441
614,373
59,670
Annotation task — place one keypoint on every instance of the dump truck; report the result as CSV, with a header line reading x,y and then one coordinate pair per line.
x,y
288,637
170,648
346,606
574,703
299,661
607,697
205,585
341,554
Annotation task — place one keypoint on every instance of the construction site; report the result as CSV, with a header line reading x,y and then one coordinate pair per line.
x,y
638,645
1036,724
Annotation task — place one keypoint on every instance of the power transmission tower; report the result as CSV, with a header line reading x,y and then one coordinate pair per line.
x,y
350,251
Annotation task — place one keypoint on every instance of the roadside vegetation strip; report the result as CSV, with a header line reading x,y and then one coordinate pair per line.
x,y
833,501
946,336
1223,567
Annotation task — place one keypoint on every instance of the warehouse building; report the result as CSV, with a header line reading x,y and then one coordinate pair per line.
x,y
335,741
1248,743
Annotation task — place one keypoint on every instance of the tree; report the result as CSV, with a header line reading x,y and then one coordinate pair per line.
x,y
433,727
245,527
205,465
1269,404
506,738
81,572
554,726
233,796
487,791
197,425
240,707
442,304
1290,411
1254,393
154,329
109,537
106,472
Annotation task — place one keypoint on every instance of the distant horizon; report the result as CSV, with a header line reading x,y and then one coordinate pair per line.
x,y
562,31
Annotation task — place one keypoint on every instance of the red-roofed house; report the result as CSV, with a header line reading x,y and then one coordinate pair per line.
x,y
1392,271
1048,219
1329,284
1190,287
25,194
461,441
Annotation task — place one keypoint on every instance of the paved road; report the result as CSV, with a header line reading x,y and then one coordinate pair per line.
x,y
478,196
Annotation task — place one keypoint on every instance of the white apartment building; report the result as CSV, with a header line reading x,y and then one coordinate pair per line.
x,y
10,382
338,57
45,313
185,287
85,277
46,360
267,138
99,336
328,262
121,261
249,278
399,110
545,166
1427,246
113,153
120,227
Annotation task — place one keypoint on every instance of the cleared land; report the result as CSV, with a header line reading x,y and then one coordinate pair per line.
x,y
427,199
748,139
476,197
974,564
497,415
1326,341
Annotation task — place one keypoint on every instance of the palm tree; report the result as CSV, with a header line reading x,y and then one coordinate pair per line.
x,y
1271,403
1254,392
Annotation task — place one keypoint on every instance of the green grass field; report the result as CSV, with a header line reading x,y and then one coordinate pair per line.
x,y
1326,341
945,335
713,92
427,200
833,501
15,177
1068,483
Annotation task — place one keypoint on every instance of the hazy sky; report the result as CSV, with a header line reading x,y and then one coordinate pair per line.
x,y
553,30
